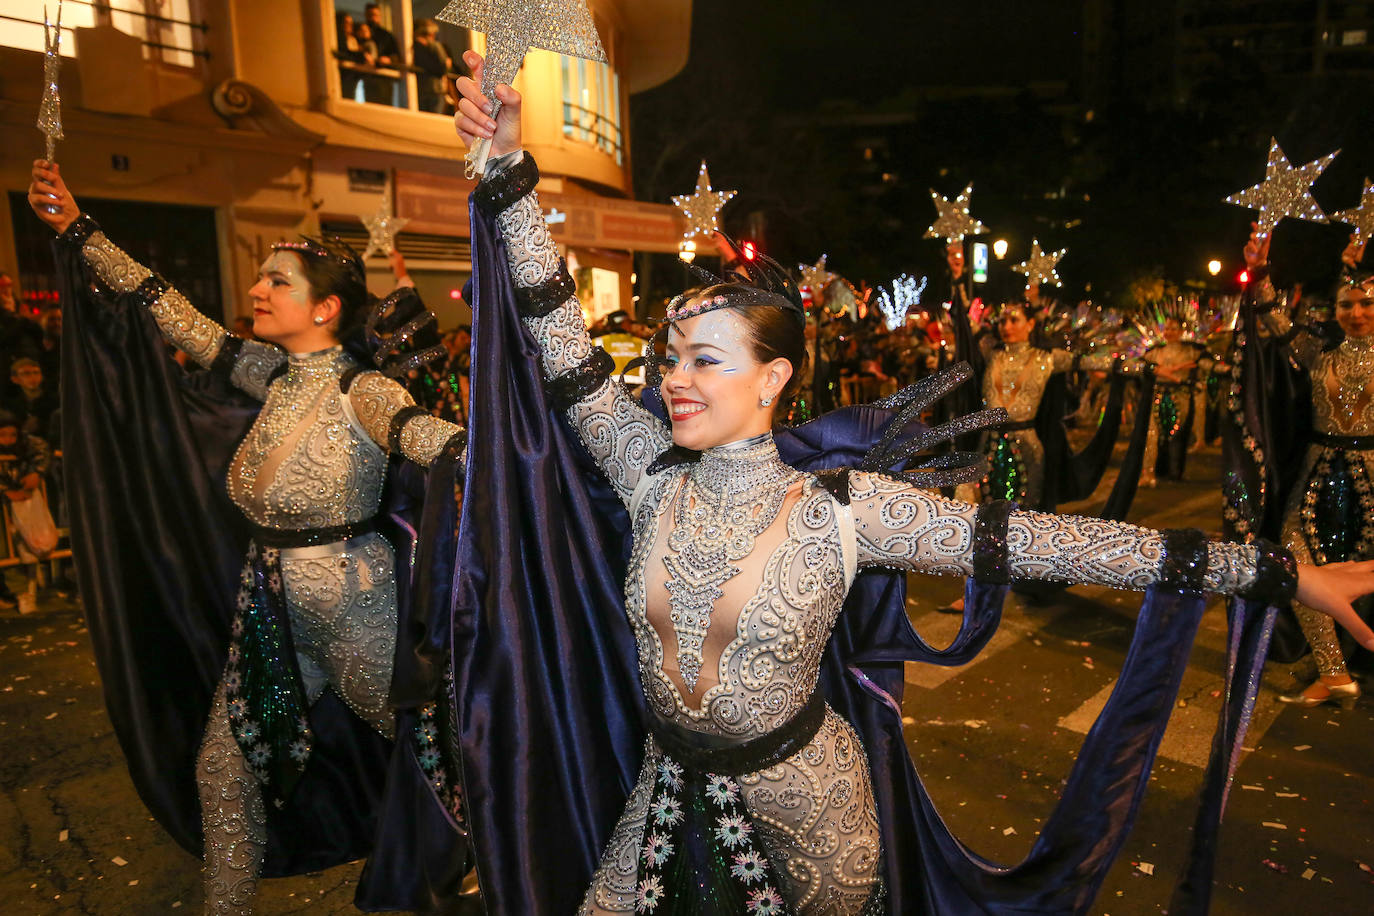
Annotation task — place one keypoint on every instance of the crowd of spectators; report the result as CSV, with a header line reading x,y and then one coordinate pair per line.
x,y
372,61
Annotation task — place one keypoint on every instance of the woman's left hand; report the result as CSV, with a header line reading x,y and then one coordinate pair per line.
x,y
1331,589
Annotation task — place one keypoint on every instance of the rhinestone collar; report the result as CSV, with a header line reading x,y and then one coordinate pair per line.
x,y
727,471
1363,344
315,357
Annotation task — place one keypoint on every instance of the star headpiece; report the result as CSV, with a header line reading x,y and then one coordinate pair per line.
x,y
382,228
702,207
1360,216
815,277
511,28
1040,267
1285,191
953,222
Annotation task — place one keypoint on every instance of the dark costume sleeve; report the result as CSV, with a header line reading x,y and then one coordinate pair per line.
x,y
158,548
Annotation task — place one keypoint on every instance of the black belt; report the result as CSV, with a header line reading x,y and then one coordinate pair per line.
x,y
687,748
1352,443
1018,425
311,537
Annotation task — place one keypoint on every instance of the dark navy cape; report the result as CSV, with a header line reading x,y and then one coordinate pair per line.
x,y
551,712
158,548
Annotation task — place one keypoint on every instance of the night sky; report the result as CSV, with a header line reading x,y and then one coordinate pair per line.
x,y
775,95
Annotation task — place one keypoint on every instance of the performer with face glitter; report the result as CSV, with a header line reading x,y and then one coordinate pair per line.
x,y
754,794
317,606
1329,513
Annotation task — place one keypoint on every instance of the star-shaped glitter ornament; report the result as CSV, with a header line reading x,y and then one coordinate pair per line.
x,y
953,221
1285,191
382,228
815,277
702,207
1361,216
511,28
1039,268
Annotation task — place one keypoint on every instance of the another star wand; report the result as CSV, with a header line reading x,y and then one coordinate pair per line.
x,y
512,27
50,108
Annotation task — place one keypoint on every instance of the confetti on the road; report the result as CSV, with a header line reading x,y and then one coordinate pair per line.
x,y
1253,788
1308,874
62,837
51,715
133,883
1009,831
120,861
1270,863
1275,824
1285,795
1303,747
1147,868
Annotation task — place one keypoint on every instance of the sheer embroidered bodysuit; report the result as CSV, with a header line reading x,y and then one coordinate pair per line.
x,y
740,566
1342,384
314,458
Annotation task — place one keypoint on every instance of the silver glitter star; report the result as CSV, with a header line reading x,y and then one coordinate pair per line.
x,y
1285,191
815,277
954,221
382,228
50,108
1039,268
1361,216
512,27
703,206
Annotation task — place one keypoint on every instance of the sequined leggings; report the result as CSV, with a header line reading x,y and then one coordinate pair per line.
x,y
342,602
1319,629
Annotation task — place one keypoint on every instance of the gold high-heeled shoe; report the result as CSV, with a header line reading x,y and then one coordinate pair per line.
x,y
1343,695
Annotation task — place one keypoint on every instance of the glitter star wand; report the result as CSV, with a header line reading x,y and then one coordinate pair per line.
x,y
50,108
512,27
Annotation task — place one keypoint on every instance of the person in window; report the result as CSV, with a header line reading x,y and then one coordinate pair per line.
x,y
386,55
433,63
349,50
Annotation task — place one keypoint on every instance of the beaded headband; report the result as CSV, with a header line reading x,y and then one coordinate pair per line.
x,y
346,258
764,283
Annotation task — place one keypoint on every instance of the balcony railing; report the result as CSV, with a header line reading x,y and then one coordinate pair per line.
x,y
584,124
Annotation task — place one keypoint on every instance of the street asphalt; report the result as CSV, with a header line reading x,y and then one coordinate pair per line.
x,y
993,741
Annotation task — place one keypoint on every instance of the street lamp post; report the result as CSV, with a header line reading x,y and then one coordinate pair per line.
x,y
1214,267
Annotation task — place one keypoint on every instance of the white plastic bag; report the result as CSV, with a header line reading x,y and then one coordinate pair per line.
x,y
34,525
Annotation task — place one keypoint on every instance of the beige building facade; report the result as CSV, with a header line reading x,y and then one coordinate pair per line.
x,y
253,121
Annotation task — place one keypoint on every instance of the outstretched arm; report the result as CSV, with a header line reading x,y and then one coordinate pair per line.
x,y
392,419
900,525
181,324
622,436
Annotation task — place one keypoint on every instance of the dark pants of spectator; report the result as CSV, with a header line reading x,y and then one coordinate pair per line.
x,y
350,80
377,89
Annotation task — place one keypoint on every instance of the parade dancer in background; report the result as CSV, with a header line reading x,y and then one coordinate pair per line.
x,y
286,781
1329,510
1178,414
754,792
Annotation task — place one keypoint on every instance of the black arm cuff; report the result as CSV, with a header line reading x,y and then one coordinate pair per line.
x,y
398,423
228,355
82,228
150,290
497,192
1183,567
569,387
990,542
538,301
453,448
1276,576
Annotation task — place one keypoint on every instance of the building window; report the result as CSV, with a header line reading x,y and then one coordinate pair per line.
x,y
591,100
166,28
396,53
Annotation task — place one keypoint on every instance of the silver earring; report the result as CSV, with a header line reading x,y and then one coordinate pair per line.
x,y
766,402
319,320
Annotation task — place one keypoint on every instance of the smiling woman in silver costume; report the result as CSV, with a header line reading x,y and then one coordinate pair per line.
x,y
309,477
739,569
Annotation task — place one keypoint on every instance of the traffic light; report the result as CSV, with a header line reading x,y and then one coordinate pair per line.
x,y
749,251
1244,277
